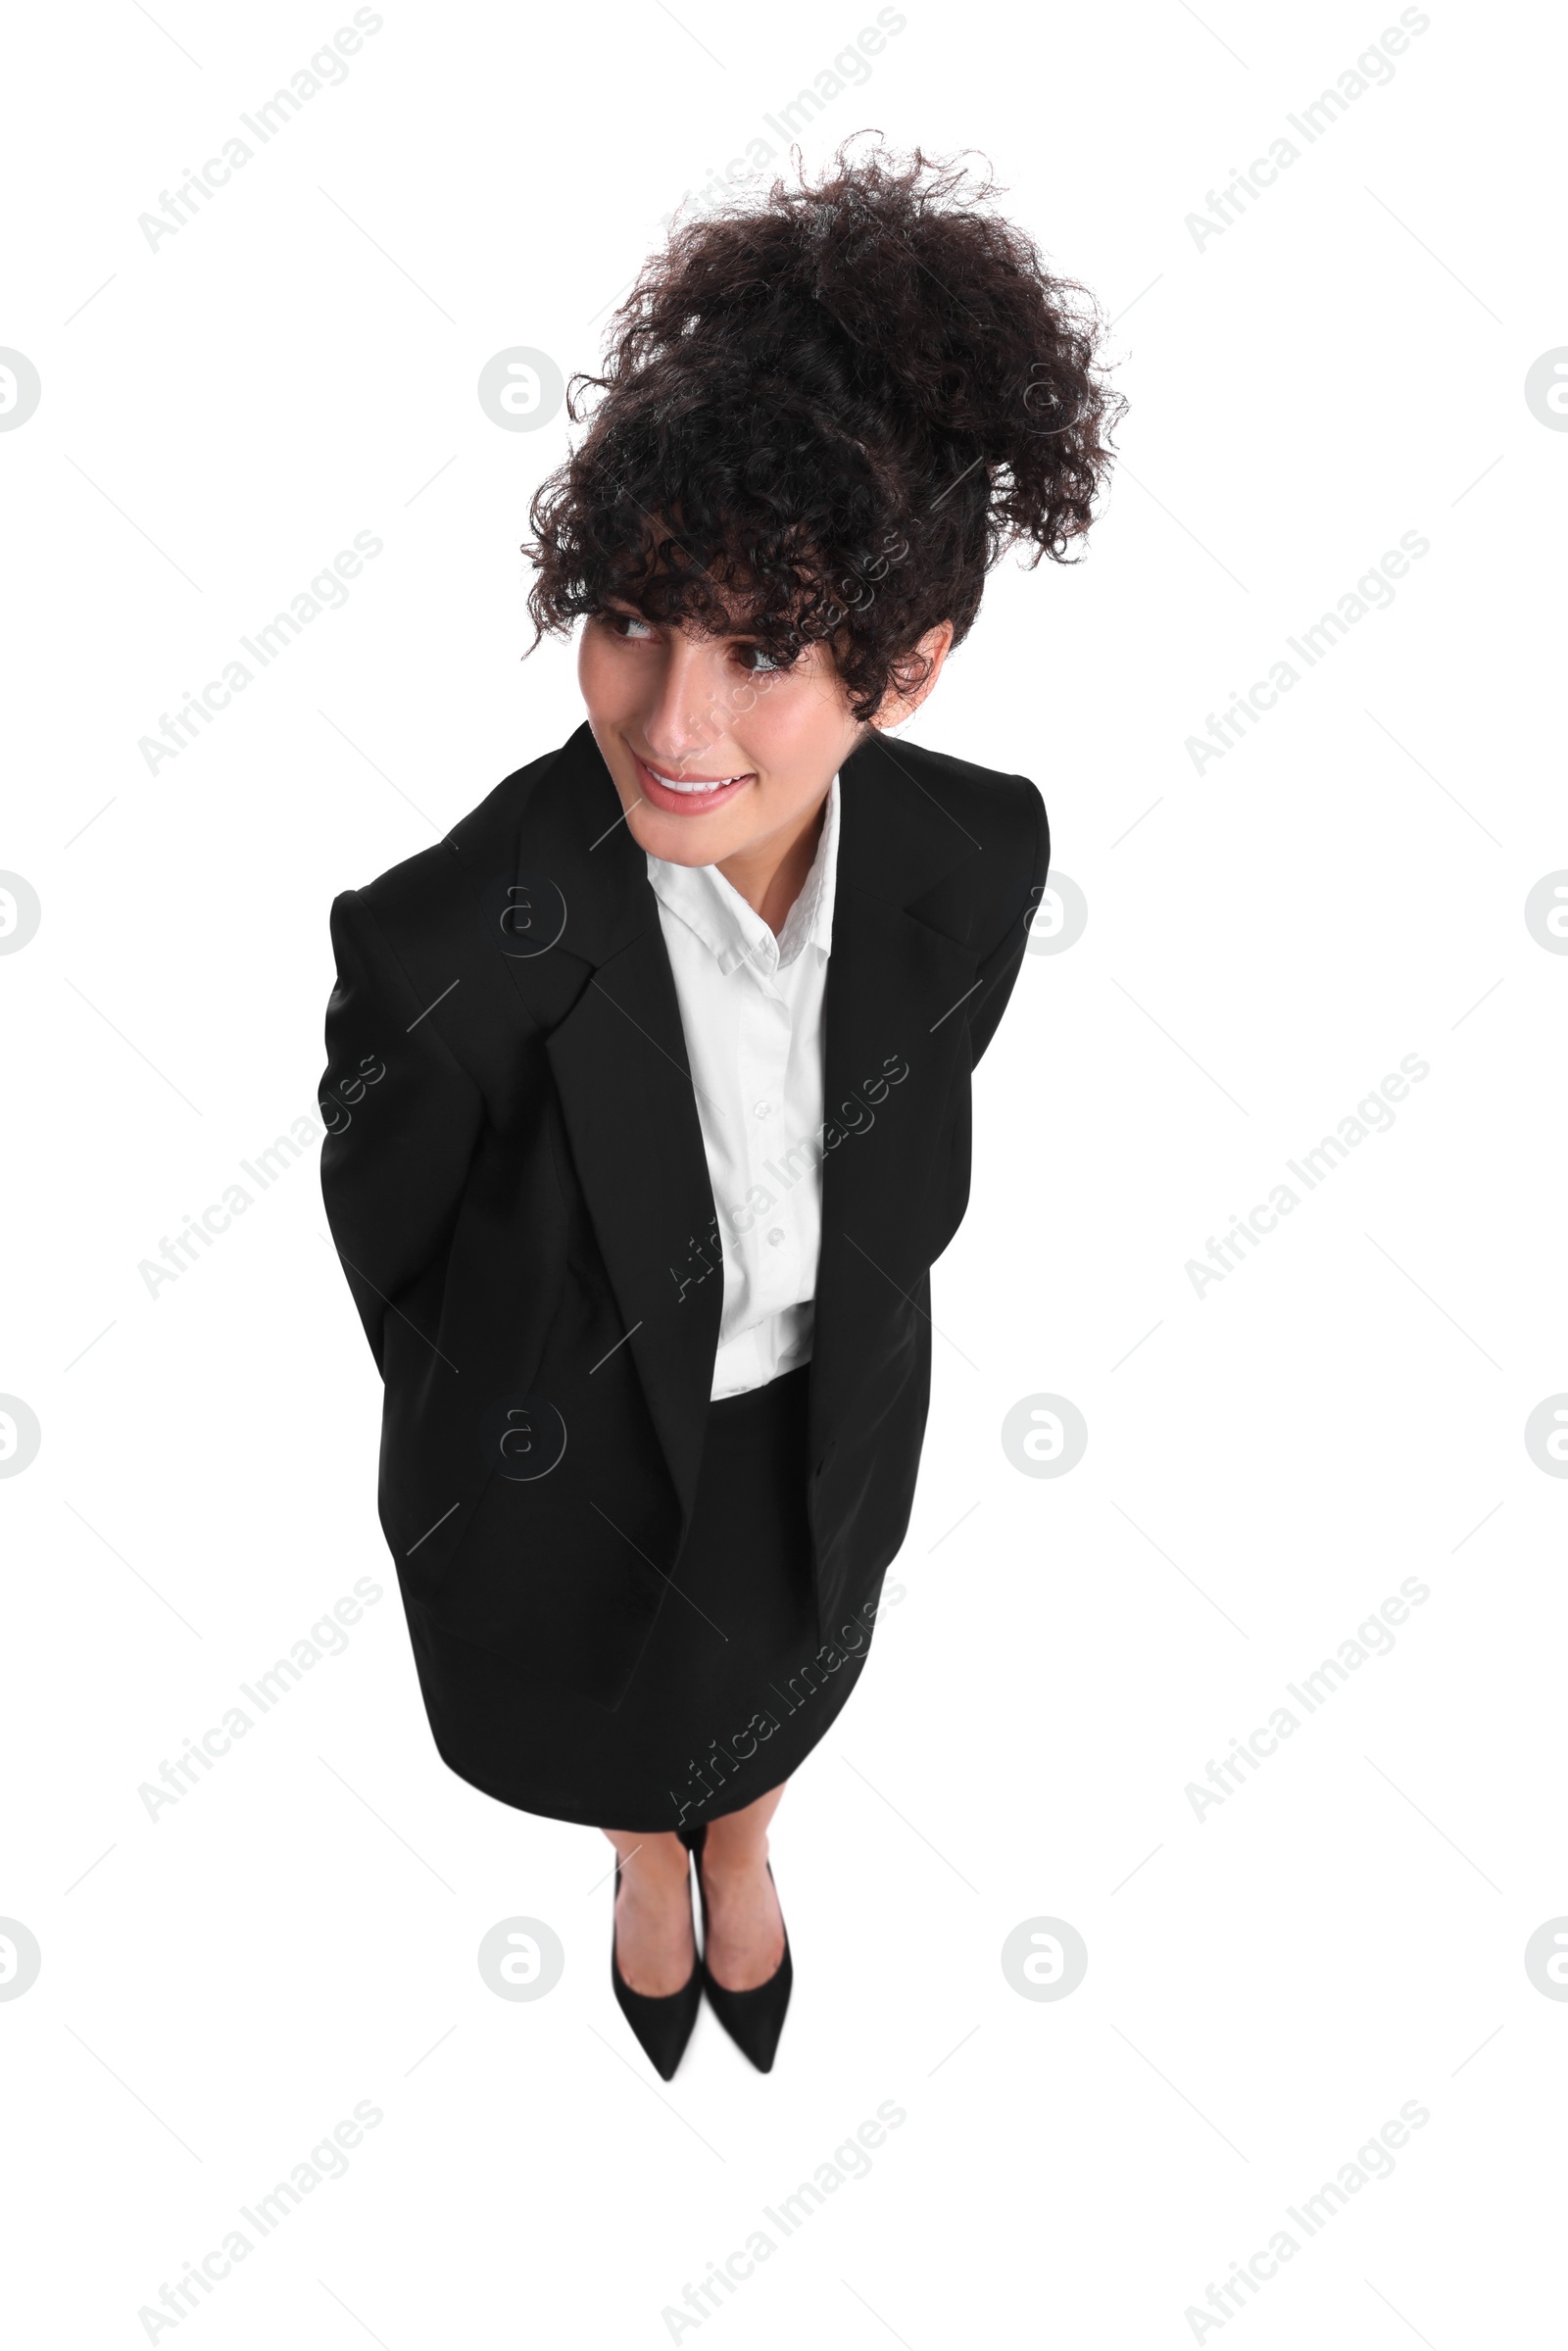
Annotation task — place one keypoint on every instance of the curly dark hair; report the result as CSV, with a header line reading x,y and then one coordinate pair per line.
x,y
826,414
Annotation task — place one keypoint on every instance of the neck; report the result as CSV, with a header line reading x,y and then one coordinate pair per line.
x,y
770,874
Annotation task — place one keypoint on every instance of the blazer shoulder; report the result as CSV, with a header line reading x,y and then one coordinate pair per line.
x,y
1003,814
422,894
1012,804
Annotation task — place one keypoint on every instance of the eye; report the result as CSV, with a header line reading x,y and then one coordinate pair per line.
x,y
755,662
630,627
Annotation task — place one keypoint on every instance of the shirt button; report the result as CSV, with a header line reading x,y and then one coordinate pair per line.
x,y
763,1110
776,1236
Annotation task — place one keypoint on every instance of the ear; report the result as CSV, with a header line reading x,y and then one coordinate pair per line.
x,y
915,673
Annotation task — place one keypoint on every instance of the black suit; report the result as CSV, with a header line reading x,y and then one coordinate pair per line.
x,y
515,1181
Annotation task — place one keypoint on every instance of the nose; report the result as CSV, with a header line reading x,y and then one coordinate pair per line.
x,y
681,723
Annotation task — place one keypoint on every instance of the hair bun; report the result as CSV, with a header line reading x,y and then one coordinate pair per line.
x,y
844,401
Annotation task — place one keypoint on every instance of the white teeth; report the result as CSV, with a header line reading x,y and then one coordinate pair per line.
x,y
673,784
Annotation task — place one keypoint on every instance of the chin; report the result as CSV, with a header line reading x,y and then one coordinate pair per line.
x,y
678,839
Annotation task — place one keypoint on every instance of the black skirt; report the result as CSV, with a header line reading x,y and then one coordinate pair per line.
x,y
733,1689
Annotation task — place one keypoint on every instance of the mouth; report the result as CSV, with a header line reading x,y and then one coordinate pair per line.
x,y
688,794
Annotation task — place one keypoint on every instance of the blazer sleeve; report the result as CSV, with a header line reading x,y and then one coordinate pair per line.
x,y
401,1120
999,968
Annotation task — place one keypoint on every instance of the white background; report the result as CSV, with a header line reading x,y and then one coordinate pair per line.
x,y
1267,1985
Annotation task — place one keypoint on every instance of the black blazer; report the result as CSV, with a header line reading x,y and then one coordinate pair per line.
x,y
515,1181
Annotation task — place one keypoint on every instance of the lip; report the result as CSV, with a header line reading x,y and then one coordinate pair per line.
x,y
685,804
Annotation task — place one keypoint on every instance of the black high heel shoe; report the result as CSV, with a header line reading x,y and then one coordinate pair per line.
x,y
664,2026
755,2018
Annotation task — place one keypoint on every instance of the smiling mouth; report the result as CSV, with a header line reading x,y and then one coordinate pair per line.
x,y
694,793
692,783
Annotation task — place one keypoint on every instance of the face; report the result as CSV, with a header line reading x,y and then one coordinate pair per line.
x,y
716,751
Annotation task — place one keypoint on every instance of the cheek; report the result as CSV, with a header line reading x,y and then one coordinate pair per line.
x,y
596,673
617,682
795,724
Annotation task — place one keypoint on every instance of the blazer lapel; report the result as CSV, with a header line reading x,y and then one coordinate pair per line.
x,y
618,1056
620,1060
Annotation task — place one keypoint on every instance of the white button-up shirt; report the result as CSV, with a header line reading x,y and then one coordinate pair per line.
x,y
751,1009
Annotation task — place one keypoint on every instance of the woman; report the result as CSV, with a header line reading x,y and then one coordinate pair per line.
x,y
648,1089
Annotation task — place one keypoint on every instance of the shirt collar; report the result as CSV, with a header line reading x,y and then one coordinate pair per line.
x,y
732,930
